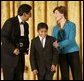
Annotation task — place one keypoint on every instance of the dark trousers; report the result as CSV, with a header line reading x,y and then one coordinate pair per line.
x,y
47,76
15,73
72,60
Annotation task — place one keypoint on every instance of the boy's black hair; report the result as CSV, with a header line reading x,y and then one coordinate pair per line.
x,y
24,8
42,25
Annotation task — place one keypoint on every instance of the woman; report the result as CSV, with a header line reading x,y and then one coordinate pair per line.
x,y
65,32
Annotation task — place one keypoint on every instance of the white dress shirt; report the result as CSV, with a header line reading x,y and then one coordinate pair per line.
x,y
21,27
43,40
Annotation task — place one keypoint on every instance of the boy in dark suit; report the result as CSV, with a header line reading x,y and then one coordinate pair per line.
x,y
43,56
15,42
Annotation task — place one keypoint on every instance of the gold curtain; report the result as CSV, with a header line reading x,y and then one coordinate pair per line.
x,y
42,12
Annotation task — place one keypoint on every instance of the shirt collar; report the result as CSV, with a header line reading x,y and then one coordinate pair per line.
x,y
41,37
19,18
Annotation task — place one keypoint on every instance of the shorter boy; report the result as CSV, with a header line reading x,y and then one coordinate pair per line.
x,y
43,56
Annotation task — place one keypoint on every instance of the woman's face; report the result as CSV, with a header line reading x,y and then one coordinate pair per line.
x,y
58,15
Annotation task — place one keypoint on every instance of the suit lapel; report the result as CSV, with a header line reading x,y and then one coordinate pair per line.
x,y
25,29
39,43
17,26
46,43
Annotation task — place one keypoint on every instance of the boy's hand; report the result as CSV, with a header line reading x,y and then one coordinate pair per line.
x,y
53,68
35,71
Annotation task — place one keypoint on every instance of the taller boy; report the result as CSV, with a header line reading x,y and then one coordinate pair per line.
x,y
43,56
15,42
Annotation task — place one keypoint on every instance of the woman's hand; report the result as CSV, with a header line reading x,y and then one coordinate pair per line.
x,y
55,44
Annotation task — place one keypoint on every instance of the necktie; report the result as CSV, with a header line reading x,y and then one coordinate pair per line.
x,y
22,23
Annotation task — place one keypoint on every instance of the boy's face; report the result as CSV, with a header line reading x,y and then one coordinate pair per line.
x,y
43,32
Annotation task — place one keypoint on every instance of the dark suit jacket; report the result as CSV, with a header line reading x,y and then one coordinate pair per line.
x,y
42,58
10,34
